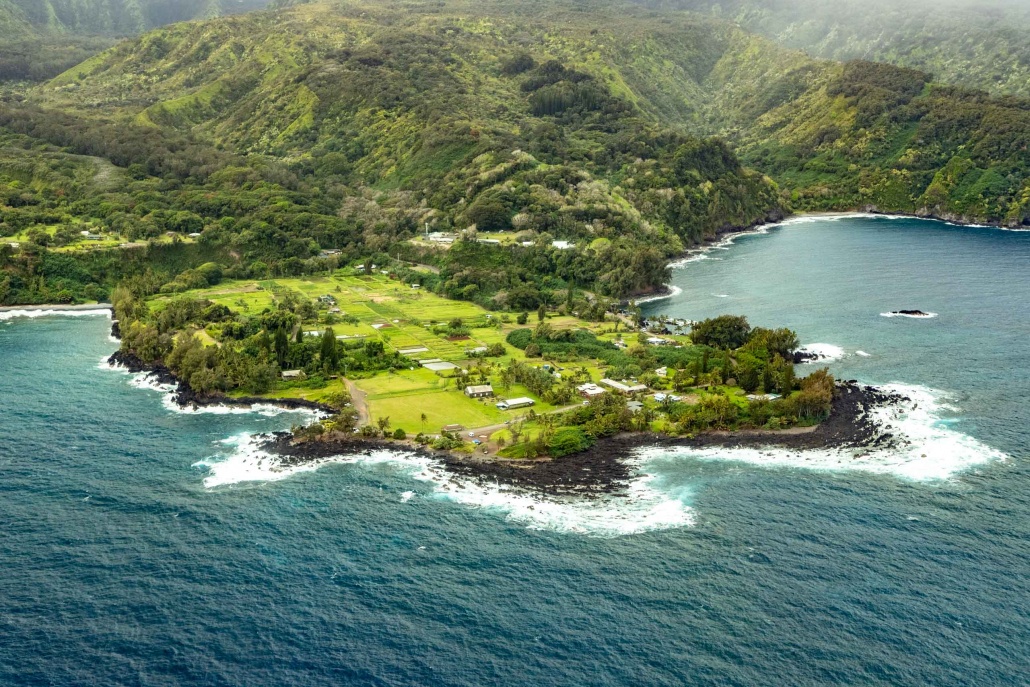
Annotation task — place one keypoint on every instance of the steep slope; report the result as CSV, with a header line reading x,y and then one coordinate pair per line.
x,y
113,17
392,98
867,135
401,120
978,44
39,39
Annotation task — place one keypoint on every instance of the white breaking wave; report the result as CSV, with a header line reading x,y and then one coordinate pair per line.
x,y
702,253
824,352
862,354
673,291
33,314
934,452
644,507
147,381
924,316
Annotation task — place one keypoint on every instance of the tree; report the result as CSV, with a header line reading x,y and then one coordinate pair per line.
x,y
748,373
522,318
515,429
383,424
329,353
489,214
787,379
541,313
781,342
281,347
424,418
726,331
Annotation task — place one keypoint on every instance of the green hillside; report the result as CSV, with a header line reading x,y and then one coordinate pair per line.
x,y
981,44
357,127
388,96
42,38
114,17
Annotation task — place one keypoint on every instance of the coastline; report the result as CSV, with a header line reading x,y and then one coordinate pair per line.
x,y
57,308
607,467
185,397
726,236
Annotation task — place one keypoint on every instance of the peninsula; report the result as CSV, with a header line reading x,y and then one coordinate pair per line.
x,y
387,361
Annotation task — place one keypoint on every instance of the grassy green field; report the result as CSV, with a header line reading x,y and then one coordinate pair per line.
x,y
404,395
441,408
385,309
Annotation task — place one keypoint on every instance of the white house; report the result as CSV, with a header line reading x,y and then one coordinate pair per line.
x,y
513,403
624,388
589,390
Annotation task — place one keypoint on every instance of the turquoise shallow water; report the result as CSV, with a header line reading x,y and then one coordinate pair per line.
x,y
120,567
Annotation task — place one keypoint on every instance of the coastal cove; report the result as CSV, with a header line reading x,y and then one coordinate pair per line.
x,y
135,525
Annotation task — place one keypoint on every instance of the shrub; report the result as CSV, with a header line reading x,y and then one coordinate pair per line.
x,y
568,440
399,434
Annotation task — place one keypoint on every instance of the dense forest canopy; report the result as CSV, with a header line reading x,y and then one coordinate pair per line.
x,y
979,44
39,39
587,144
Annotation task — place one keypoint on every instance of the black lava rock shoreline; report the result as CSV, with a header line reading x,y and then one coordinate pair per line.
x,y
606,468
603,469
186,397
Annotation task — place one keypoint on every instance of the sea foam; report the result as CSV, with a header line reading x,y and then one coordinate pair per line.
x,y
934,451
703,253
36,313
644,506
147,381
924,316
823,352
673,292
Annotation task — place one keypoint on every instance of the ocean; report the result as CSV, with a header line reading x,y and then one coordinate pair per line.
x,y
145,545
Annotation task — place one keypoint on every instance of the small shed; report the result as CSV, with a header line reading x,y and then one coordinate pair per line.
x,y
293,374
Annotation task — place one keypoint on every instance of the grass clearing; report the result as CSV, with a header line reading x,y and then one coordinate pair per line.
x,y
441,408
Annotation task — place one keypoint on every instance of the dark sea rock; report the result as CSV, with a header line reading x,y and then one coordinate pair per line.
x,y
606,468
185,396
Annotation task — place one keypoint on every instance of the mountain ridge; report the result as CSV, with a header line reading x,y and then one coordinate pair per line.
x,y
266,84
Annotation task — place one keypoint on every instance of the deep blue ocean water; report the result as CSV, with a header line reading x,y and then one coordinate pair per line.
x,y
120,567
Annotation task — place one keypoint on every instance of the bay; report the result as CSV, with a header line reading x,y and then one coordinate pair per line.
x,y
139,547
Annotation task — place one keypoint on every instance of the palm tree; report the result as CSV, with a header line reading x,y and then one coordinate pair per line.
x,y
384,425
424,419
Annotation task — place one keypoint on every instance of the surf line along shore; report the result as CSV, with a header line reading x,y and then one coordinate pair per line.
x,y
607,468
58,308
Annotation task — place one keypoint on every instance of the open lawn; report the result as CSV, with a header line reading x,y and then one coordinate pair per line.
x,y
441,408
376,307
385,309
